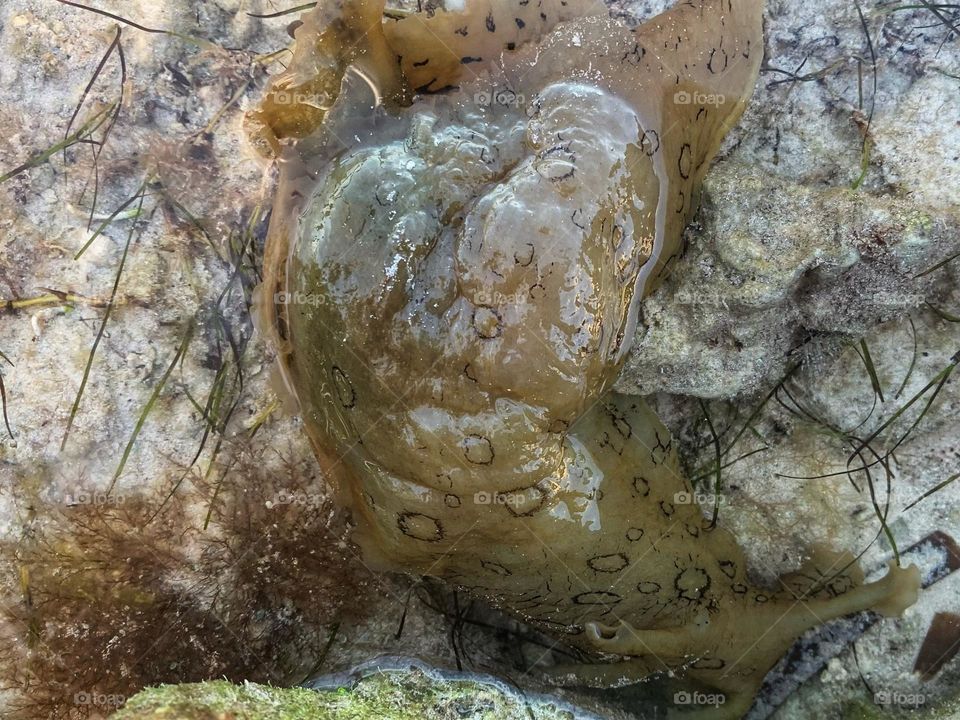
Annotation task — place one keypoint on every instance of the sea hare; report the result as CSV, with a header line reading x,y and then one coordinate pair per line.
x,y
471,205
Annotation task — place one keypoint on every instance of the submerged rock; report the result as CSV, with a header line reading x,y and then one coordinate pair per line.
x,y
389,689
779,272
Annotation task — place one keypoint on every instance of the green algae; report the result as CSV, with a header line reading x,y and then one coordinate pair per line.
x,y
385,696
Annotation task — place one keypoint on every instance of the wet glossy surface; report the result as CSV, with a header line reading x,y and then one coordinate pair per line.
x,y
457,280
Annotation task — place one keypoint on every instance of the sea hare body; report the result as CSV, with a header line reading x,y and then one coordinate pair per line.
x,y
467,218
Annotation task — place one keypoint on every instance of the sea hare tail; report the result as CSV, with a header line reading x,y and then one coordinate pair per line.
x,y
733,651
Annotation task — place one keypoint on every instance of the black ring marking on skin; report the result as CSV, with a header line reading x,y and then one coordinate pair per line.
x,y
466,372
713,56
344,388
597,597
478,450
519,259
620,423
696,592
537,497
408,522
660,449
641,485
685,159
568,156
654,144
486,312
451,500
573,218
634,56
612,563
